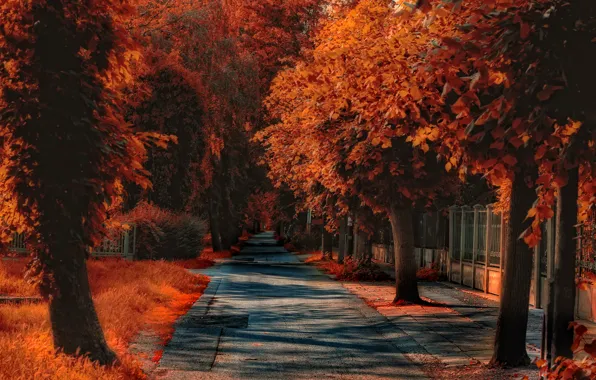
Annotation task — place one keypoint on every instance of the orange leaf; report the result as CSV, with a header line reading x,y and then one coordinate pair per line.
x,y
590,348
510,160
415,92
547,92
524,30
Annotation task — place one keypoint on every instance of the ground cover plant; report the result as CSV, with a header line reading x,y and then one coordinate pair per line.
x,y
351,269
129,297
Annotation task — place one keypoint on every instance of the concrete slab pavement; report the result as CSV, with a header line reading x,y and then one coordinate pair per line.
x,y
301,325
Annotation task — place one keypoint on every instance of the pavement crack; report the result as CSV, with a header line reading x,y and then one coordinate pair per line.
x,y
216,349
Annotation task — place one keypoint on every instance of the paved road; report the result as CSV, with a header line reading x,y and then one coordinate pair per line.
x,y
265,315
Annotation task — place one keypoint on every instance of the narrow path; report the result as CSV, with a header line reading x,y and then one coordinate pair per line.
x,y
265,315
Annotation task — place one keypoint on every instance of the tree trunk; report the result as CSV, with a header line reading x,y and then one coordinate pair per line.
x,y
350,238
327,247
75,325
368,254
342,239
402,228
214,226
547,325
512,321
564,271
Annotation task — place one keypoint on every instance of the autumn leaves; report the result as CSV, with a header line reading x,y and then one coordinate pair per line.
x,y
395,102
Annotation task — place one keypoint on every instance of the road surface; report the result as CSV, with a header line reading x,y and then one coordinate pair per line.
x,y
266,315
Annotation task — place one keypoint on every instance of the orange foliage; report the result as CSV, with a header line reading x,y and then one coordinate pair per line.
x,y
427,274
129,297
565,368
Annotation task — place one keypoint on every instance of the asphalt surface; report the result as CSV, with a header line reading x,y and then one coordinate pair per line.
x,y
266,315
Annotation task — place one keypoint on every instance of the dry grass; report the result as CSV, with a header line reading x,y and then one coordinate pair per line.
x,y
12,280
129,297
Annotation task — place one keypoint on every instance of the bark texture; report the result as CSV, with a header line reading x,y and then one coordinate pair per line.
x,y
564,270
214,226
75,325
327,247
342,240
406,285
512,321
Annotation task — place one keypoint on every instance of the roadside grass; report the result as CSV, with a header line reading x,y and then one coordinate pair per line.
x,y
130,297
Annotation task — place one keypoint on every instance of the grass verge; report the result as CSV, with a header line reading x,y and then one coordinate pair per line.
x,y
130,297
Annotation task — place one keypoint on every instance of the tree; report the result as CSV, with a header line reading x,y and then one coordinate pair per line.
x,y
65,146
513,88
203,87
350,123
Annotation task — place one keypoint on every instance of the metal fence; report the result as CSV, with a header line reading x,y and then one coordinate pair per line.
x,y
476,234
431,230
586,248
119,243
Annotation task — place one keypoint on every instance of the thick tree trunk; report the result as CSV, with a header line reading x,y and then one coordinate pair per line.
x,y
214,226
342,239
406,285
564,271
75,325
512,321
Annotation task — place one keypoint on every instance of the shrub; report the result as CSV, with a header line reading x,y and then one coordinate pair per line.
x,y
427,274
304,241
353,270
565,368
163,234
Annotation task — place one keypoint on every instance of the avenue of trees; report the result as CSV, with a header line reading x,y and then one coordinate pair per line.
x,y
372,108
397,100
108,103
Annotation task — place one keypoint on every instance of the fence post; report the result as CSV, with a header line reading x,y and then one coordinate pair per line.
x,y
536,279
462,244
502,246
452,211
477,209
126,245
489,221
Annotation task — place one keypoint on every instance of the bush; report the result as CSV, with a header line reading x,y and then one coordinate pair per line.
x,y
163,234
304,241
427,274
352,270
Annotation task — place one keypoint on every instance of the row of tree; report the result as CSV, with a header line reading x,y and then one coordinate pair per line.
x,y
92,92
397,104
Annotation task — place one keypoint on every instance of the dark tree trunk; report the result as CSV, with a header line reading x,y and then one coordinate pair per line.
x,y
75,325
547,323
564,271
406,285
342,239
512,321
368,254
350,239
327,246
214,226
